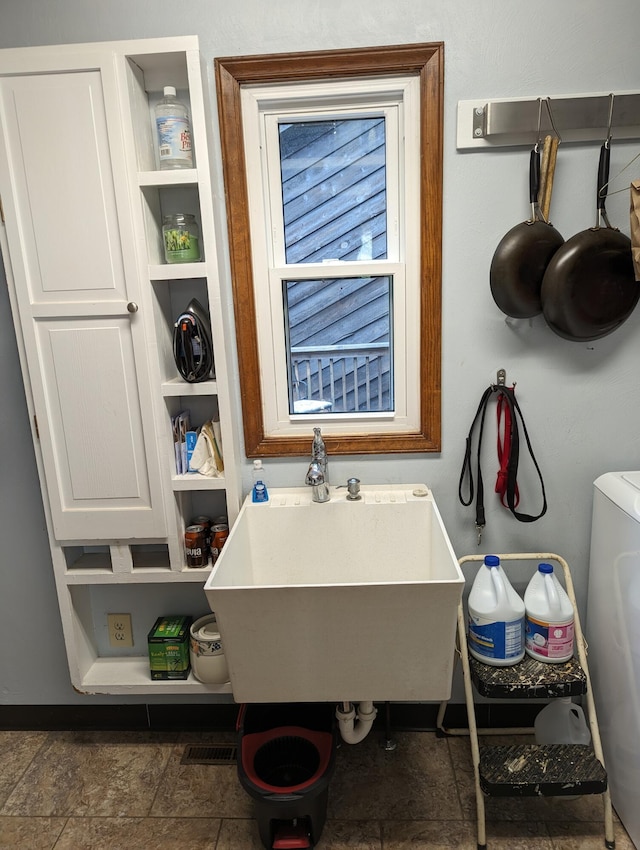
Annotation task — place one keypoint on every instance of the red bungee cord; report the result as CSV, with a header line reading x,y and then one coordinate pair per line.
x,y
504,449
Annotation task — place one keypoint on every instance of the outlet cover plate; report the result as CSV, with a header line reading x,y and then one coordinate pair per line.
x,y
120,630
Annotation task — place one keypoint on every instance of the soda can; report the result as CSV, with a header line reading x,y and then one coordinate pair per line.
x,y
195,545
219,534
206,522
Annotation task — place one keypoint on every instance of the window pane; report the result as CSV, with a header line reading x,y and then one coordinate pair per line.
x,y
339,344
334,189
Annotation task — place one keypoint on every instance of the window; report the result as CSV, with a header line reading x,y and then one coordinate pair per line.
x,y
332,165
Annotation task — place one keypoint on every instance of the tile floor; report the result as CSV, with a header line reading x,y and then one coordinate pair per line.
x,y
117,790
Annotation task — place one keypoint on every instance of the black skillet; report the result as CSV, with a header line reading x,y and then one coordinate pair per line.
x,y
589,287
520,260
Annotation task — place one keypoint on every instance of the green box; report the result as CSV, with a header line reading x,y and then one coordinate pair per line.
x,y
168,643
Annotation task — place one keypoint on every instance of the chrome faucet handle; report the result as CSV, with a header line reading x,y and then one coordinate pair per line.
x,y
353,486
320,487
315,474
318,449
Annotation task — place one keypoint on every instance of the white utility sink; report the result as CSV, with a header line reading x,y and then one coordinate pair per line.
x,y
338,601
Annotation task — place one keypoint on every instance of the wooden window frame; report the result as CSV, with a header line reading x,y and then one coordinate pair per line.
x,y
425,60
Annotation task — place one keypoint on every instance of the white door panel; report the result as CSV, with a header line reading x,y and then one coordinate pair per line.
x,y
93,411
56,129
67,214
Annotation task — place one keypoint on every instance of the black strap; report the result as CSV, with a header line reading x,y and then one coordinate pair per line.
x,y
514,455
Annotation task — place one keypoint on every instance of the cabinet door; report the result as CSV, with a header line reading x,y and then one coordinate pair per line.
x,y
67,208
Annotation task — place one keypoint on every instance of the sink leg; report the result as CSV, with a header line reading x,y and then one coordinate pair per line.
x,y
387,743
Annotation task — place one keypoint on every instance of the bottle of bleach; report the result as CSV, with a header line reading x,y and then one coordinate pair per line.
x,y
496,617
561,722
549,618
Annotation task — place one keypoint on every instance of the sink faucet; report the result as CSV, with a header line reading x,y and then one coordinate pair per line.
x,y
317,474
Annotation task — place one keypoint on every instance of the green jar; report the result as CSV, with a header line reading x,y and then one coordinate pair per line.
x,y
181,238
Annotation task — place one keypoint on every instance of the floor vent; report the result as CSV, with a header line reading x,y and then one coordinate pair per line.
x,y
211,754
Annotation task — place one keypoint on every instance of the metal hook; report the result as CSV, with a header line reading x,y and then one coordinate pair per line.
x,y
612,98
501,380
604,190
547,102
538,137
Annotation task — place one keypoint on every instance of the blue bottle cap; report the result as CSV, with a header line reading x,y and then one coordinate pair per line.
x,y
491,561
545,568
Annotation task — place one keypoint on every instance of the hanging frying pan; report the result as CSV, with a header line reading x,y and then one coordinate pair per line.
x,y
589,287
520,260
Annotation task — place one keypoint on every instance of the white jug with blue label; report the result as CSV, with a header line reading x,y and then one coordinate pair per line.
x,y
496,617
549,629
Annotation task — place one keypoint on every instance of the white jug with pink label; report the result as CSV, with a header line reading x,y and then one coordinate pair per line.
x,y
548,626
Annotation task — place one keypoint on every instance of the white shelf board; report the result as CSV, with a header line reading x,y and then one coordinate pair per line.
x,y
197,575
178,387
174,177
132,676
177,271
195,481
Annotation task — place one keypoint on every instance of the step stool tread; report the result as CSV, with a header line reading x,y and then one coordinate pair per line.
x,y
529,679
531,770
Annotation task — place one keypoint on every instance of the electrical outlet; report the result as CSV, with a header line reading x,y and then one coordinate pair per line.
x,y
120,631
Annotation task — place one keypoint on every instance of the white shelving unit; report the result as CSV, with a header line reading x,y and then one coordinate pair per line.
x,y
116,567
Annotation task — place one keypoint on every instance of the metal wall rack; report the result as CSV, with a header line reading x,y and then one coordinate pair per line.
x,y
504,122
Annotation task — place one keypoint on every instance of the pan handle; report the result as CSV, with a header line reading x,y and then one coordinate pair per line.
x,y
603,181
534,181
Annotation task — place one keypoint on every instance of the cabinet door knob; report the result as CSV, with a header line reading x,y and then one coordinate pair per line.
x,y
132,307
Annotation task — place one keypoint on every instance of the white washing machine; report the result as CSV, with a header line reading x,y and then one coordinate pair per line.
x,y
613,634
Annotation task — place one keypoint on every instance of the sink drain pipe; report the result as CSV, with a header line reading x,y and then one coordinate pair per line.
x,y
355,729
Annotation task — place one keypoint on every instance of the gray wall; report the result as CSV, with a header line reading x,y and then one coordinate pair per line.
x,y
581,401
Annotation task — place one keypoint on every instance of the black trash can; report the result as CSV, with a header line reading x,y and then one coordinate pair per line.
x,y
286,757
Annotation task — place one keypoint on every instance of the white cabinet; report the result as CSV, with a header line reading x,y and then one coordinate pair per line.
x,y
94,305
65,209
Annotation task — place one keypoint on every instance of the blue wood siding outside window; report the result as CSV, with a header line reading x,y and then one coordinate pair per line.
x,y
333,175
